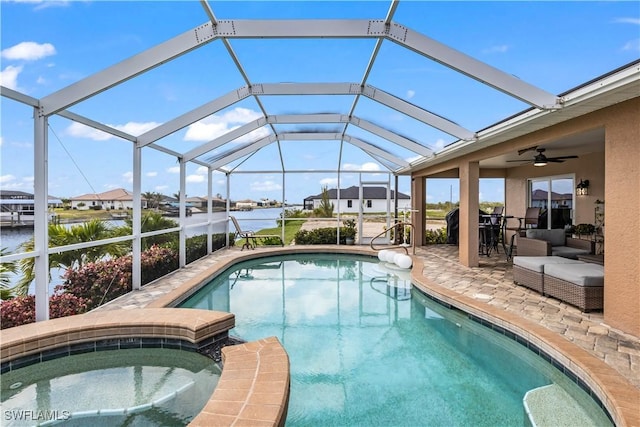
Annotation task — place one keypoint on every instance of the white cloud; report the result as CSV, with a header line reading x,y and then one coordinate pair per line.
x,y
7,178
635,21
152,174
79,130
411,94
633,45
43,4
128,176
174,169
195,178
202,170
496,49
161,188
28,51
329,182
266,185
9,77
368,166
136,128
218,125
439,144
10,182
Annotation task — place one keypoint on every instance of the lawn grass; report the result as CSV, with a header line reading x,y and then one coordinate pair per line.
x,y
290,230
74,215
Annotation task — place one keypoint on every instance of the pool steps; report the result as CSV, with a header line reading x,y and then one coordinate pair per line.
x,y
552,406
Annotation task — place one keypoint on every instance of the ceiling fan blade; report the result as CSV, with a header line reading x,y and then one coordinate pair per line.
x,y
555,160
524,150
523,160
562,157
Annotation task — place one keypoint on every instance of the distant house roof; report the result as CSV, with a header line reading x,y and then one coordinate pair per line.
x,y
10,194
20,197
116,194
353,192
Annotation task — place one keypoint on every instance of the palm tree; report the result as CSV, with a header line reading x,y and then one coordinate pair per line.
x,y
151,221
6,270
325,209
59,235
153,199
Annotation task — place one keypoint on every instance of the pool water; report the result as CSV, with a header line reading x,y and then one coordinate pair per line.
x,y
368,349
128,387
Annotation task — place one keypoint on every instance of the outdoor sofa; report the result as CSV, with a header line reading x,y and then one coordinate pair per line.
x,y
554,242
575,282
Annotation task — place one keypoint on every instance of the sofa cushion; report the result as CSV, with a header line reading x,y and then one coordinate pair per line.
x,y
555,236
581,273
536,263
567,251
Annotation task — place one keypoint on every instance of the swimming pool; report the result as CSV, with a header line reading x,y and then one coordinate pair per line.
x,y
368,349
150,386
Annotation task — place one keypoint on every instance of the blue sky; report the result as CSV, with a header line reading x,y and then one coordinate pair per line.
x,y
48,45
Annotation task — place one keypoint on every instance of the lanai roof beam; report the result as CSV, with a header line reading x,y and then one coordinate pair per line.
x,y
126,69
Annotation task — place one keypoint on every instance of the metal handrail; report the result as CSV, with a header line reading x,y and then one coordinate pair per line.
x,y
403,224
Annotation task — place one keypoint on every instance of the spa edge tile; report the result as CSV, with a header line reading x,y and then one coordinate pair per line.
x,y
224,407
234,384
272,376
244,422
266,399
269,386
260,412
207,419
231,395
282,366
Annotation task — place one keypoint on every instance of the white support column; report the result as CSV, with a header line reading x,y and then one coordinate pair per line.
x,y
40,225
228,208
136,265
360,208
284,192
389,199
338,212
183,214
209,211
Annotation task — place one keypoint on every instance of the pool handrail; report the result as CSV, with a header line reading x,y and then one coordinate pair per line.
x,y
396,225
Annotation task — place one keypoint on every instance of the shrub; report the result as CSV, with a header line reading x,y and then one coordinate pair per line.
x,y
102,281
324,236
22,310
196,247
435,237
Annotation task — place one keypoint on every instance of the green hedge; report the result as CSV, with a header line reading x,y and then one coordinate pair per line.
x,y
324,236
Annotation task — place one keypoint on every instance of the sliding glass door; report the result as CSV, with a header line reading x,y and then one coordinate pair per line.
x,y
555,198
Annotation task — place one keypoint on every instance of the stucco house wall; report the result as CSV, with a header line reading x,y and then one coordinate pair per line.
x,y
614,177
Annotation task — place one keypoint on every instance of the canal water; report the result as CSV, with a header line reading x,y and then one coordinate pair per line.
x,y
257,219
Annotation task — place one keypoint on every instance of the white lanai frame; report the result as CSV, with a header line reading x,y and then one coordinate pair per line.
x,y
226,30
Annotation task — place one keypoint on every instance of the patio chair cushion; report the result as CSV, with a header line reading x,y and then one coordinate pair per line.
x,y
568,251
537,263
584,274
555,236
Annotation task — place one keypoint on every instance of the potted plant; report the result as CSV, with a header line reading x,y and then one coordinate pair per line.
x,y
349,231
584,229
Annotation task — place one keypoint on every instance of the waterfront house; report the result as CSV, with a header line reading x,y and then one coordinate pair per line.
x,y
374,199
118,198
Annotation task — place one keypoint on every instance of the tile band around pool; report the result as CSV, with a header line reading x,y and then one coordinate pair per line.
x,y
620,396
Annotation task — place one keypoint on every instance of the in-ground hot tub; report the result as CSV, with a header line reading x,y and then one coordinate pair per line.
x,y
152,386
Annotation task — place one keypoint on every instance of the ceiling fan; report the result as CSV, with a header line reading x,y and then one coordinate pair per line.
x,y
541,160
